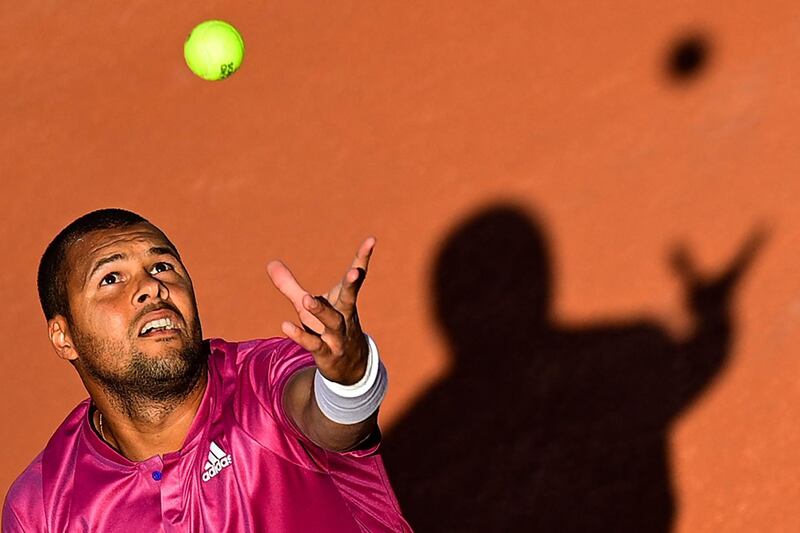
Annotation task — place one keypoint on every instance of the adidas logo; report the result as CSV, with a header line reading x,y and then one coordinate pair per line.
x,y
217,460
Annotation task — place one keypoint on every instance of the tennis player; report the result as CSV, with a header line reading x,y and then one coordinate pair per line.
x,y
185,434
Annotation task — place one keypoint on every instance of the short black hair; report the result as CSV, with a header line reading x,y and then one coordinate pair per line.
x,y
53,268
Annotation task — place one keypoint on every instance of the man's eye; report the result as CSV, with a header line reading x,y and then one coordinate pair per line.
x,y
108,279
161,267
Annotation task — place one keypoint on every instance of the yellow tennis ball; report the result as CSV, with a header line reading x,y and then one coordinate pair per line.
x,y
214,50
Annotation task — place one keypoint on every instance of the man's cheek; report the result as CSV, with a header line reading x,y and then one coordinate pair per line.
x,y
185,304
115,325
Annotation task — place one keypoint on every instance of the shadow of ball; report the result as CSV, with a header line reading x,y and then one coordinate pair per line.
x,y
687,58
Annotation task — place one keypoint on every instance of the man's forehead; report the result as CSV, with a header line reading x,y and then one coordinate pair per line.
x,y
103,242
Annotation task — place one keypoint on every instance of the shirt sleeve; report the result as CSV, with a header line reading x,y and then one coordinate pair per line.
x,y
359,475
23,509
264,374
11,523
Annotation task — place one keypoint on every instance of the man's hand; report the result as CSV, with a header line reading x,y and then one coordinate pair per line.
x,y
330,330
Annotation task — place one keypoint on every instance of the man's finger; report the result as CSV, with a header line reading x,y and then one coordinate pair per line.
x,y
355,275
309,341
351,284
325,313
363,254
285,282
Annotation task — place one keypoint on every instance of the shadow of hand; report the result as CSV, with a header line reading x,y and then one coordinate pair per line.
x,y
709,294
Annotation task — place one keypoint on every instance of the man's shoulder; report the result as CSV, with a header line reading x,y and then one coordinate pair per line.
x,y
242,349
236,353
262,365
60,444
25,498
28,482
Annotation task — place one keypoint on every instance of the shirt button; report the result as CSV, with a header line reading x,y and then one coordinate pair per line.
x,y
157,475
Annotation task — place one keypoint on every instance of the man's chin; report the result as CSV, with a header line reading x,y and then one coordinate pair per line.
x,y
162,346
168,346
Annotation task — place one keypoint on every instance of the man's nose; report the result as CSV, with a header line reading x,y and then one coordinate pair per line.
x,y
150,288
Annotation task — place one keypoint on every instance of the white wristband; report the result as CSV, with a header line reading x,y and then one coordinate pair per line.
x,y
351,404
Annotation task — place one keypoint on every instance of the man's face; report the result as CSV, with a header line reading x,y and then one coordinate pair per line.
x,y
133,318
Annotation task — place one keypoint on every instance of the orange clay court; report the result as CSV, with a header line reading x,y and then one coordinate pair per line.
x,y
587,211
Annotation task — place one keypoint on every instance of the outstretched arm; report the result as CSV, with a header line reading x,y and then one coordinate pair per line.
x,y
329,329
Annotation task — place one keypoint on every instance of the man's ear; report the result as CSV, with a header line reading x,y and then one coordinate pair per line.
x,y
60,338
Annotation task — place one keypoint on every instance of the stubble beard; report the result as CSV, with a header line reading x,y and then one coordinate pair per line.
x,y
148,387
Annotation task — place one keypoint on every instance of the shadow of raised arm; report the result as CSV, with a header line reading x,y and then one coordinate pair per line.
x,y
709,298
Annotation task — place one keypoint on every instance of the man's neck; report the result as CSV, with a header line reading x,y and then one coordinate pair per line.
x,y
154,430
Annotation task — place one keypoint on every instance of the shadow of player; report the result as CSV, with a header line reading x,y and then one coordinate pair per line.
x,y
541,427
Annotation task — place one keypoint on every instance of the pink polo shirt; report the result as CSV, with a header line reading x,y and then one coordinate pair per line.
x,y
244,466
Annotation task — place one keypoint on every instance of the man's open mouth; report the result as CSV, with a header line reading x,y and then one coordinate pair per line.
x,y
161,326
